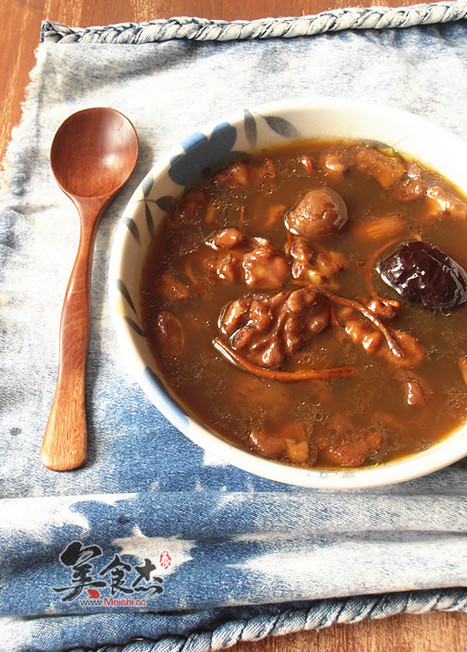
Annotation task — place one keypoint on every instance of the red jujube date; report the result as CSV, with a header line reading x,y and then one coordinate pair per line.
x,y
425,275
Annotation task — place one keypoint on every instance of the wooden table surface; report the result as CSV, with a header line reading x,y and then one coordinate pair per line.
x,y
19,25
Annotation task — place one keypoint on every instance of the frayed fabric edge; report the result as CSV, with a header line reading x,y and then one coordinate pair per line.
x,y
202,29
19,158
23,139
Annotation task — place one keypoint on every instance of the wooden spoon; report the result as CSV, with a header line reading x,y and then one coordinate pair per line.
x,y
93,154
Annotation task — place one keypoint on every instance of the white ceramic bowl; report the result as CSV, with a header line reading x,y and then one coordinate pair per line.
x,y
245,131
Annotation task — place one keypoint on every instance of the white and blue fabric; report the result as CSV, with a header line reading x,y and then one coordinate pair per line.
x,y
154,545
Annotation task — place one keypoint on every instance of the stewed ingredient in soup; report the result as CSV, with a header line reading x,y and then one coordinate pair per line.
x,y
424,274
320,213
309,304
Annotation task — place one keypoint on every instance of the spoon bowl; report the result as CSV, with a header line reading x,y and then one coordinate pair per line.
x,y
93,152
93,155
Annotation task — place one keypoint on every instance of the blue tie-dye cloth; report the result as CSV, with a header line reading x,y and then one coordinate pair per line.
x,y
154,544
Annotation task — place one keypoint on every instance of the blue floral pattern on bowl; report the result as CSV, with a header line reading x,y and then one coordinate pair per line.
x,y
202,152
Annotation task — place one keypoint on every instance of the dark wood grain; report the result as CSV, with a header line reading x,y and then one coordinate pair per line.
x,y
435,632
20,23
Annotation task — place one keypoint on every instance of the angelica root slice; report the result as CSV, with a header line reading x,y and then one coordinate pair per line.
x,y
282,376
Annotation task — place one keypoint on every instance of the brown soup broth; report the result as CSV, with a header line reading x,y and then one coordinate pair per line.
x,y
234,402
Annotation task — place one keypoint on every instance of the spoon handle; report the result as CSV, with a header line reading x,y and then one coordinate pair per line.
x,y
65,441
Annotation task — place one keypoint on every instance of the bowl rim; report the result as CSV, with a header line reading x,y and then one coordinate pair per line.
x,y
450,449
